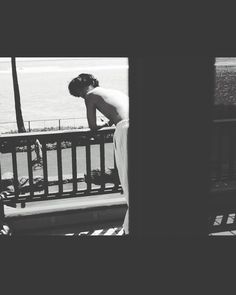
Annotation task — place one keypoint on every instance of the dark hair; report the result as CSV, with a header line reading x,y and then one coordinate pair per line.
x,y
83,80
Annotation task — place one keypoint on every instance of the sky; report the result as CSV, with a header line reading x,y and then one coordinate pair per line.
x,y
4,59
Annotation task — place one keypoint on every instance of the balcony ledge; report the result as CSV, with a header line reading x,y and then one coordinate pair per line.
x,y
79,212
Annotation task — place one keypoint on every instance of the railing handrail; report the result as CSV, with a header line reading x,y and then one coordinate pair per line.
x,y
224,121
26,135
223,152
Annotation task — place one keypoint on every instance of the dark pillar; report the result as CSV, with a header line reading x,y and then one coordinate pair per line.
x,y
170,100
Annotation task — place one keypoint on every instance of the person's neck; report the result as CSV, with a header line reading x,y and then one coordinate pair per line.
x,y
87,90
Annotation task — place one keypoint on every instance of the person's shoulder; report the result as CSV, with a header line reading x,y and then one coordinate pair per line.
x,y
91,97
96,92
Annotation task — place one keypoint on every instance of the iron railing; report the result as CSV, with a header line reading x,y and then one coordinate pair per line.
x,y
223,150
79,138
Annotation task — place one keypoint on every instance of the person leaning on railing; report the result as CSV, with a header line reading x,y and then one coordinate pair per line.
x,y
114,105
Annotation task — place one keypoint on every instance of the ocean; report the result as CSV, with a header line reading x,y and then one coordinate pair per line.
x,y
225,81
43,84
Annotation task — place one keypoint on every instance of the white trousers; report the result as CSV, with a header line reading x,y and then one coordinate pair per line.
x,y
120,141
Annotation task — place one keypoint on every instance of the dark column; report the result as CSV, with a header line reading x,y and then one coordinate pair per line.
x,y
170,99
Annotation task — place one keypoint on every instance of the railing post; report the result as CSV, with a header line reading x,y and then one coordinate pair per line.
x,y
29,126
59,166
15,173
59,121
74,164
1,201
45,168
2,215
219,156
231,142
88,164
102,161
29,158
0,175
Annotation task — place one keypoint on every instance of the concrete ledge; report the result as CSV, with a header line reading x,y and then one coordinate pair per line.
x,y
43,207
67,212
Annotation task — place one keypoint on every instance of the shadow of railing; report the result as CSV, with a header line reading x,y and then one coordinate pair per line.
x,y
222,221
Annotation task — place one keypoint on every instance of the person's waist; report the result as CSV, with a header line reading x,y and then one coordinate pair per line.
x,y
122,122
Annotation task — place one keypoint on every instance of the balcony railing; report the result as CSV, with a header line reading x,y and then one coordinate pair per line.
x,y
79,141
222,201
223,150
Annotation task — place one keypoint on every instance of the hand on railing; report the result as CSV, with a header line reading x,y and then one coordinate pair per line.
x,y
108,123
98,127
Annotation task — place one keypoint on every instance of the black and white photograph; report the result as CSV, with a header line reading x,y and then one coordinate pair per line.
x,y
64,146
117,146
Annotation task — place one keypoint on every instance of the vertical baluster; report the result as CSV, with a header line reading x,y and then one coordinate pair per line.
x,y
1,201
102,161
59,165
2,214
0,173
30,172
74,164
45,168
15,173
88,165
213,153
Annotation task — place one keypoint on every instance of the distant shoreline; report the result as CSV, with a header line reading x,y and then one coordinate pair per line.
x,y
70,124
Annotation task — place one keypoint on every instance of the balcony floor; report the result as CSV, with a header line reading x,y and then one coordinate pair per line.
x,y
69,216
223,224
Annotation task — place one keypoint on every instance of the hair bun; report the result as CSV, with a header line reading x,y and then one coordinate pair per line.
x,y
88,79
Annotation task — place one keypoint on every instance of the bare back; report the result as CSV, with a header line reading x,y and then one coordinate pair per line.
x,y
111,103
